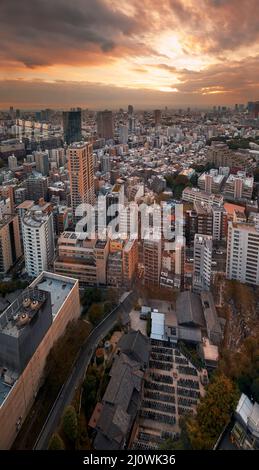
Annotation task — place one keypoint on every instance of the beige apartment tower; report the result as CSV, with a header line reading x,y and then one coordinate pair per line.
x,y
81,174
10,244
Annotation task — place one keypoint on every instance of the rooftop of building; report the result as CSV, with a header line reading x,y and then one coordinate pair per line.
x,y
5,219
129,244
247,180
200,238
210,314
25,204
35,219
57,285
78,145
214,197
87,260
247,226
201,208
248,413
217,179
231,208
157,326
210,351
189,309
100,244
16,318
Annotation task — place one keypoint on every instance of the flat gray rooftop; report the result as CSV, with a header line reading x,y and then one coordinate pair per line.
x,y
58,289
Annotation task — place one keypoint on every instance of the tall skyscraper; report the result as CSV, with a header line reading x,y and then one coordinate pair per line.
x,y
179,262
36,187
11,112
38,241
202,262
10,246
157,116
81,174
208,183
42,162
152,250
131,124
130,109
105,124
123,134
72,126
12,162
243,253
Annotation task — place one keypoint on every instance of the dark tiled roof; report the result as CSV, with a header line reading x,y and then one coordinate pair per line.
x,y
122,395
136,345
189,309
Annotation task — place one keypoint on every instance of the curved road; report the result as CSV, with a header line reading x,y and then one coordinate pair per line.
x,y
82,361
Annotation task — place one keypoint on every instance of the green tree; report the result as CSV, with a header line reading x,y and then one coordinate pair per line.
x,y
90,388
56,443
213,412
95,313
82,441
69,423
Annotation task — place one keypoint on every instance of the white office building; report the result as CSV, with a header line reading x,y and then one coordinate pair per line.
x,y
243,253
38,241
202,262
12,162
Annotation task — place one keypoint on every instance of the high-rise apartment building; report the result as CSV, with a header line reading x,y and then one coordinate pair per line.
x,y
10,245
123,134
84,259
38,241
219,222
130,261
222,156
239,186
12,162
105,124
202,262
81,174
243,253
72,126
157,116
36,187
195,194
42,162
179,257
152,252
211,182
198,220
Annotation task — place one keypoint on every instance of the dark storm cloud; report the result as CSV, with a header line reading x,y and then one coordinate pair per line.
x,y
48,32
54,29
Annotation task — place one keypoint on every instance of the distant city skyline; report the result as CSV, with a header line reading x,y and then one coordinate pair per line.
x,y
108,53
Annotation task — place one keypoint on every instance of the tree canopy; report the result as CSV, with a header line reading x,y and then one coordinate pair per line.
x,y
213,412
56,443
69,423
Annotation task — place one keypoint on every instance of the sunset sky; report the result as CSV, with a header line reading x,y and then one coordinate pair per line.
x,y
108,53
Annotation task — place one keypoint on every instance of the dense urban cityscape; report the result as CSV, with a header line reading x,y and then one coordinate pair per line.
x,y
172,264
129,229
